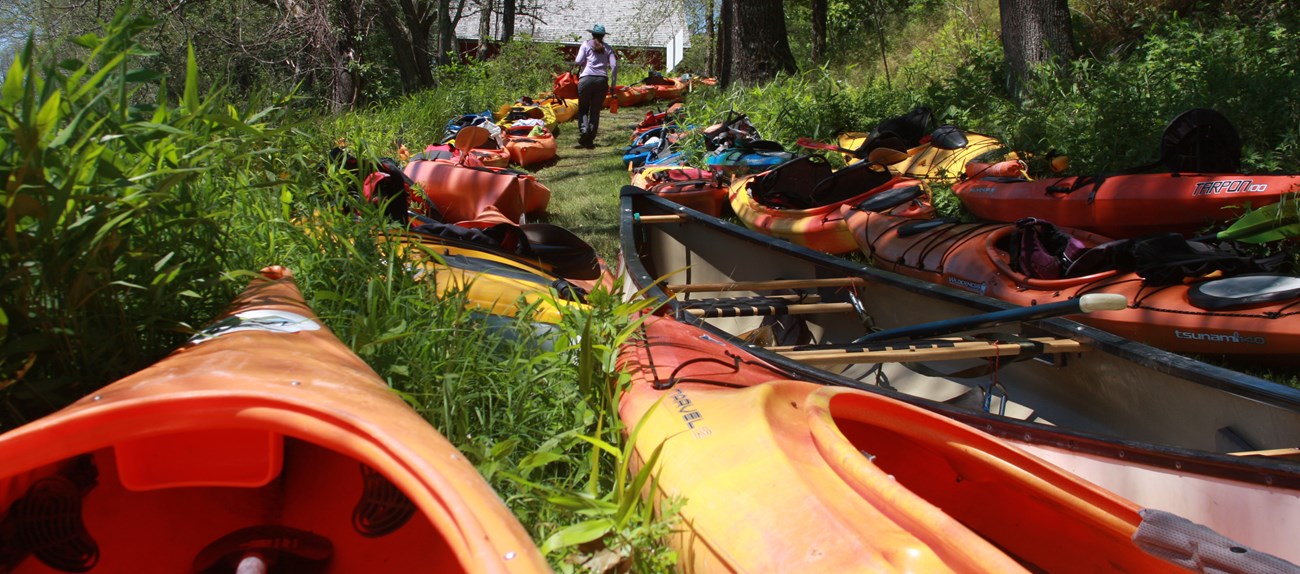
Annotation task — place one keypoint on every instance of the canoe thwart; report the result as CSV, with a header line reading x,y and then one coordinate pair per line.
x,y
672,218
931,350
768,285
1271,453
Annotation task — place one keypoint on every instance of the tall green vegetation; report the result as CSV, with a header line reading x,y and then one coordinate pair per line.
x,y
113,209
131,219
1106,110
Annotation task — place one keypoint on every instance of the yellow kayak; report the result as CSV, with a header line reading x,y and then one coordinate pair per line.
x,y
498,283
928,162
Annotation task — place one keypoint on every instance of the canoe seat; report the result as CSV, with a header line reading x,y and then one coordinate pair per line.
x,y
247,458
760,307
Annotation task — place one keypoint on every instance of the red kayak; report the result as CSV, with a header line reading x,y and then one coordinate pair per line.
x,y
1125,205
530,145
1248,317
698,189
469,196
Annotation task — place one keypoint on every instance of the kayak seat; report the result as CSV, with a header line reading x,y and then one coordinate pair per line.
x,y
1108,256
849,182
247,458
789,184
1244,291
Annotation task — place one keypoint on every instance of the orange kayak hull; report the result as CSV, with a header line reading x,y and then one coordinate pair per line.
x,y
968,257
528,149
1125,205
792,476
821,228
485,195
267,422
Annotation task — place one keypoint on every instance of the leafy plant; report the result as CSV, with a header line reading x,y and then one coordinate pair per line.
x,y
113,215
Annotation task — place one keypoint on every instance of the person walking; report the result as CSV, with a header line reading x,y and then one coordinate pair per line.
x,y
598,75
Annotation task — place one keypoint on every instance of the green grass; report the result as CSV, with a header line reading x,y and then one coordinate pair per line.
x,y
585,182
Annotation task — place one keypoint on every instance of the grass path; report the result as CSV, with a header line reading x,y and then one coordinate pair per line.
x,y
584,183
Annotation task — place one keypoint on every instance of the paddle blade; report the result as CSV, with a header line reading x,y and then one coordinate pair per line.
x,y
810,143
1272,222
470,137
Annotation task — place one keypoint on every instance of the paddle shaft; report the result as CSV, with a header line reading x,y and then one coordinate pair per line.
x,y
950,326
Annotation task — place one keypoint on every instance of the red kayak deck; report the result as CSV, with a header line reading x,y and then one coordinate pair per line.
x,y
973,257
1125,205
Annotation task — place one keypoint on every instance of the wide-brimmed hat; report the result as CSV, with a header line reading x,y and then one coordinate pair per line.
x,y
598,29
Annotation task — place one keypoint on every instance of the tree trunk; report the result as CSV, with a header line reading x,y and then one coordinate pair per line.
x,y
819,31
401,46
507,20
712,47
1034,32
759,48
343,81
448,47
722,55
484,28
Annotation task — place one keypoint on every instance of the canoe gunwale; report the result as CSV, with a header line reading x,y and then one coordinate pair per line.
x,y
1253,470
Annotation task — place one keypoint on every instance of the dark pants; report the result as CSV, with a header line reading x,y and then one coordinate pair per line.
x,y
591,98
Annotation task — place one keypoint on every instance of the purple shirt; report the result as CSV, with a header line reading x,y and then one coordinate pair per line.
x,y
594,64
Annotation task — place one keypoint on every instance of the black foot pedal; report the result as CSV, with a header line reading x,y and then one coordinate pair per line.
x,y
382,508
46,522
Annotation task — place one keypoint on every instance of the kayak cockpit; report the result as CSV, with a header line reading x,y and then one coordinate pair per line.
x,y
204,501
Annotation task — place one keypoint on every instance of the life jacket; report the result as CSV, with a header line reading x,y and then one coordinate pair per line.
x,y
1041,251
391,187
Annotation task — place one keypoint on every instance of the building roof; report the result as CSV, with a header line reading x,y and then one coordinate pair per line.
x,y
630,23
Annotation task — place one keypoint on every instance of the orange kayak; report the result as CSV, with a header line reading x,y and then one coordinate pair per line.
x,y
1121,205
696,188
800,200
791,476
529,147
974,257
475,196
672,89
629,96
262,439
